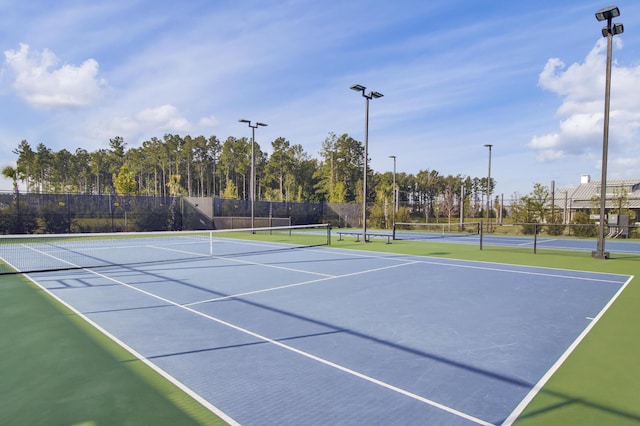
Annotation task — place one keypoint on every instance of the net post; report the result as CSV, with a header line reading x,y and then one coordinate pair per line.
x,y
481,234
535,237
210,243
393,231
329,234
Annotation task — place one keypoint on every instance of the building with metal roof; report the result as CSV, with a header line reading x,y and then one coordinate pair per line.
x,y
621,193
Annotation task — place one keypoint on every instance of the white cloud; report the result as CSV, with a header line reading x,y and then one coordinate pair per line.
x,y
547,147
42,82
576,82
163,118
579,126
550,155
210,121
544,142
581,86
628,163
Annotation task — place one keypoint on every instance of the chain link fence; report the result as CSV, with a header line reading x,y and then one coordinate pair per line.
x,y
34,213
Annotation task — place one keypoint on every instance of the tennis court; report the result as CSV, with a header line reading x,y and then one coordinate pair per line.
x,y
450,233
618,246
262,334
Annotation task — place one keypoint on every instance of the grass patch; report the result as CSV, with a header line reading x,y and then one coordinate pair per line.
x,y
58,369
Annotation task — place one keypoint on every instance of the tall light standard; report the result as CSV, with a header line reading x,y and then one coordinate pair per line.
x,y
462,197
252,190
368,97
608,13
395,199
488,145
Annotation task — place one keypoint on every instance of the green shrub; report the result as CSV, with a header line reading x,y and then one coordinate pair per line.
x,y
583,225
555,226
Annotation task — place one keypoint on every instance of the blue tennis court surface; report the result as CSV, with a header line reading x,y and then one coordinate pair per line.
x,y
328,336
523,241
618,246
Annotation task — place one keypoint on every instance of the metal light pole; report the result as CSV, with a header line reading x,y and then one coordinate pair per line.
x,y
606,14
368,97
395,202
252,183
462,196
488,145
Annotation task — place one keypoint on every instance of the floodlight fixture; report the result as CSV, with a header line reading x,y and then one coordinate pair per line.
x,y
358,88
261,124
617,29
607,13
242,120
376,95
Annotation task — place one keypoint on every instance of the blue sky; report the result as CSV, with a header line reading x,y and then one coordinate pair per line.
x,y
526,77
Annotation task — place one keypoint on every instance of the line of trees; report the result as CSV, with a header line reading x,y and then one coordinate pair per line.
x,y
201,166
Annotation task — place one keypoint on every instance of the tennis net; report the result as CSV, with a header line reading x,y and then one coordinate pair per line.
x,y
418,231
37,253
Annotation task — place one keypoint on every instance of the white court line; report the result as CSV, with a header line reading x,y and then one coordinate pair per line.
x,y
260,337
548,240
332,277
525,244
505,243
538,386
232,259
513,271
206,404
248,293
473,264
476,264
218,240
518,409
325,277
305,354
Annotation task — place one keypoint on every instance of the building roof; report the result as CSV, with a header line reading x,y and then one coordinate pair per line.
x,y
581,196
